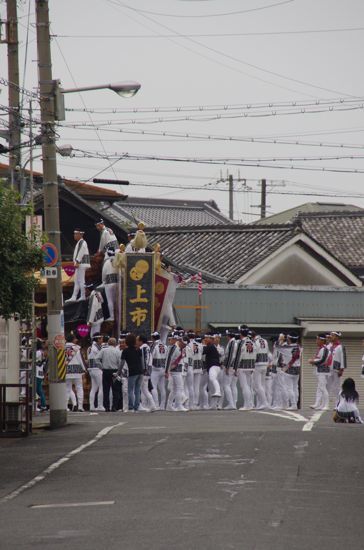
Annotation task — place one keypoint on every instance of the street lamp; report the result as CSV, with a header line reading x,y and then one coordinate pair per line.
x,y
51,106
124,89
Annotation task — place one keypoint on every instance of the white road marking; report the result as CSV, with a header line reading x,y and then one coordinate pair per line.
x,y
297,415
73,504
314,418
59,463
280,415
149,428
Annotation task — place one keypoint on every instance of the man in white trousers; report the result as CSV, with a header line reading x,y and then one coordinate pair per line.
x,y
337,362
290,358
213,367
174,366
81,262
158,356
95,373
148,404
320,361
244,366
110,278
228,370
260,371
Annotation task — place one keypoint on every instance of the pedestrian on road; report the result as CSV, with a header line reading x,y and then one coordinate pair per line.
x,y
109,359
133,358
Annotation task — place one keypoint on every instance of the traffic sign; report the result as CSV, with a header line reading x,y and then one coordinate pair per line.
x,y
50,254
59,341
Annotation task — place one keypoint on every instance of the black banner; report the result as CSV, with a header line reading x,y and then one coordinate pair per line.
x,y
138,302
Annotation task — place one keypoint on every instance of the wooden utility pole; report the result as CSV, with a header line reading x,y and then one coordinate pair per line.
x,y
231,197
47,89
263,200
14,98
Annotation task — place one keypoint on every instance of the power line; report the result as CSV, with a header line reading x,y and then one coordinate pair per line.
x,y
226,162
209,35
83,102
248,139
200,54
240,61
241,190
225,108
223,116
208,15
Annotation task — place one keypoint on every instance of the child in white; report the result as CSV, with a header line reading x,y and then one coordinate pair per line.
x,y
75,369
347,407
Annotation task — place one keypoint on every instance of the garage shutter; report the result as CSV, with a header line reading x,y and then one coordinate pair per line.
x,y
354,352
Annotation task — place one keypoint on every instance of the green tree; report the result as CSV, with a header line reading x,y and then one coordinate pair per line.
x,y
19,257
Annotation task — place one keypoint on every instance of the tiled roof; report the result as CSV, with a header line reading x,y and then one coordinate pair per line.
x,y
288,216
226,252
164,212
86,190
342,234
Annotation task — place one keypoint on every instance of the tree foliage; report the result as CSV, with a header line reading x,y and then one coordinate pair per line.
x,y
19,256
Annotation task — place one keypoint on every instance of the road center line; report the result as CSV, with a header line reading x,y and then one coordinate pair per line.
x,y
59,463
314,418
73,504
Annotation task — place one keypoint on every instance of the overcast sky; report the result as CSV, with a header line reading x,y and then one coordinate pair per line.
x,y
247,45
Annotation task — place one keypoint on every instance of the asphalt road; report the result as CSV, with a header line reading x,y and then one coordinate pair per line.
x,y
183,481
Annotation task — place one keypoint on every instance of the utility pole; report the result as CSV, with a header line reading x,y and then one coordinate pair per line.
x,y
47,87
263,199
231,197
14,101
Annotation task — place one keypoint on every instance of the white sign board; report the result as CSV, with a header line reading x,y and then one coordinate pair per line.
x,y
49,272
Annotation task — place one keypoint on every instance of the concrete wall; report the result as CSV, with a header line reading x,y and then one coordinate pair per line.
x,y
269,305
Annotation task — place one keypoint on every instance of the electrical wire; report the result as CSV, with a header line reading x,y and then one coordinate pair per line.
x,y
222,162
25,55
248,139
116,4
83,102
240,61
209,35
225,108
208,15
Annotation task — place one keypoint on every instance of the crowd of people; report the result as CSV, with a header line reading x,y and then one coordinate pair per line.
x,y
192,372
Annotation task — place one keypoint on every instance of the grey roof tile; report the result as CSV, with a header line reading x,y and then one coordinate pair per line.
x,y
226,252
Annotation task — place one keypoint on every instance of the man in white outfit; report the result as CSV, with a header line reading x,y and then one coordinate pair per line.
x,y
260,371
290,357
228,370
158,357
110,275
174,367
244,366
320,361
107,237
95,373
148,404
81,262
337,362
